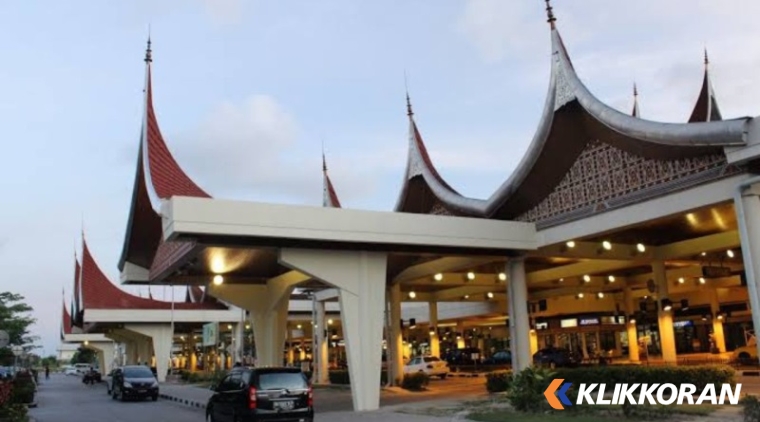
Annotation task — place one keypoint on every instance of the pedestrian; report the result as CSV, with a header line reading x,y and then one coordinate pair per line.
x,y
47,372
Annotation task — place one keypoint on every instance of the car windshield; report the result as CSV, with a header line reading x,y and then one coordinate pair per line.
x,y
431,359
139,372
282,380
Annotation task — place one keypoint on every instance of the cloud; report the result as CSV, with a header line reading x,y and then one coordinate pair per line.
x,y
224,12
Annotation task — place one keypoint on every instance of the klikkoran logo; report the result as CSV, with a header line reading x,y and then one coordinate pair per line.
x,y
639,394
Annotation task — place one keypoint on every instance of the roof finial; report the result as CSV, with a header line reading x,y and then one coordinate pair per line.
x,y
324,161
635,90
148,51
550,14
707,59
409,111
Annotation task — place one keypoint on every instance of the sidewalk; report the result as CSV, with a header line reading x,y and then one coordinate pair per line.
x,y
187,395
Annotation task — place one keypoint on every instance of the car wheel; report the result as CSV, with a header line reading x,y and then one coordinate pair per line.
x,y
154,398
443,376
744,355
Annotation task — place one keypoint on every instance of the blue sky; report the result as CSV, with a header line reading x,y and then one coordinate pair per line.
x,y
246,91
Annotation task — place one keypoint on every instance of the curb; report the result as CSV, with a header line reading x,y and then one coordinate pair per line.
x,y
185,402
466,375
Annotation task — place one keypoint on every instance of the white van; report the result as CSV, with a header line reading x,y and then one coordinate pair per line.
x,y
82,368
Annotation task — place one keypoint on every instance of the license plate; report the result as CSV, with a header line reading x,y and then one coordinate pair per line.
x,y
284,405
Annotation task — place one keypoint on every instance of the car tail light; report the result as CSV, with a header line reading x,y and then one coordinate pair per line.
x,y
252,398
310,401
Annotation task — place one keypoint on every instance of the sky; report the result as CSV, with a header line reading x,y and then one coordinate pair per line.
x,y
248,91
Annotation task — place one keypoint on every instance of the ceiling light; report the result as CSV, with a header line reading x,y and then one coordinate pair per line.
x,y
600,295
229,326
502,277
471,275
587,278
632,319
611,278
607,245
329,322
466,296
641,248
412,295
704,253
702,280
720,317
681,280
730,253
247,326
570,244
490,295
561,280
438,277
218,279
299,326
580,296
667,305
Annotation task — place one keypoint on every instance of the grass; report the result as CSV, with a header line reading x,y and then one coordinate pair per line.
x,y
595,414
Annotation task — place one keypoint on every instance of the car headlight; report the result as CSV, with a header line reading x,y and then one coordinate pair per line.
x,y
127,384
154,385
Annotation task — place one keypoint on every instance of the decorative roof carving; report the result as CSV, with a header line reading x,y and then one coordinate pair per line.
x,y
604,175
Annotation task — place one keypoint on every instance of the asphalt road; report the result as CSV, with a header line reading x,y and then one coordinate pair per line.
x,y
66,398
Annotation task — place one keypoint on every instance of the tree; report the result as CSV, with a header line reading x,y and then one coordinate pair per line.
x,y
83,355
15,318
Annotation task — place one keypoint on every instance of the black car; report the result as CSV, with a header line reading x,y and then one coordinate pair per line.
x,y
503,357
554,357
133,381
262,394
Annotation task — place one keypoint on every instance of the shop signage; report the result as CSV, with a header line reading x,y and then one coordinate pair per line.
x,y
588,321
210,334
716,272
568,323
682,324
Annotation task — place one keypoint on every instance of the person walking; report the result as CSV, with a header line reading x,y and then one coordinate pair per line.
x,y
47,372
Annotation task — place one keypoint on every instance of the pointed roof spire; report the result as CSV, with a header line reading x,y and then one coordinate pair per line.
x,y
550,14
329,196
409,111
706,109
148,51
635,112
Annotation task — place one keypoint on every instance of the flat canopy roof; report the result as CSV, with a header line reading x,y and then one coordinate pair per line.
x,y
240,223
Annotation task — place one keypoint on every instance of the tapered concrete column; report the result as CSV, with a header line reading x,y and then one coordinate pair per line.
x,y
319,349
664,318
193,361
396,342
131,352
291,356
238,355
162,337
460,336
584,346
747,206
361,278
718,336
435,343
145,351
106,353
519,325
268,307
633,340
533,342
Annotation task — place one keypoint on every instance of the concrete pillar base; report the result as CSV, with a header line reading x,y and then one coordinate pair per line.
x,y
361,278
161,335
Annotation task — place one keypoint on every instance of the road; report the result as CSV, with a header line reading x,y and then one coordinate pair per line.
x,y
65,399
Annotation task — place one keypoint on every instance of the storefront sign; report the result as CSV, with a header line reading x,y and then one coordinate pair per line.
x,y
682,324
568,323
589,321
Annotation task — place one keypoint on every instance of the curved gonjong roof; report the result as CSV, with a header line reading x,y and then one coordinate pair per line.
x,y
66,323
572,117
98,292
158,177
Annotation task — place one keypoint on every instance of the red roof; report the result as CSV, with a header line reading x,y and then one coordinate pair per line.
x,y
100,293
77,288
66,321
166,175
143,244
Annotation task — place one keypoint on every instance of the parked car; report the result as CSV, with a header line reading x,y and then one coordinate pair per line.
x,y
554,357
261,394
502,357
429,365
746,354
133,381
466,356
82,368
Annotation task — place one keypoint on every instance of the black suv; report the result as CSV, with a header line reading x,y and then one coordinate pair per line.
x,y
134,381
262,394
